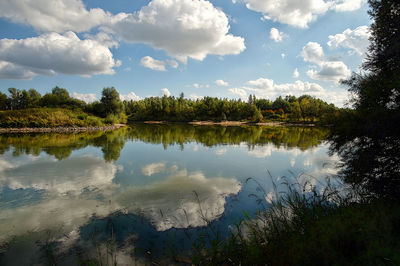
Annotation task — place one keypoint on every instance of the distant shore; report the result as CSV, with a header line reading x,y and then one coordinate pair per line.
x,y
231,123
60,129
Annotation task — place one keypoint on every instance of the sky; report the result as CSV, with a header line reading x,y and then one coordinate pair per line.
x,y
220,48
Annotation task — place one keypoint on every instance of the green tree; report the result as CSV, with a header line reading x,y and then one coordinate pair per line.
x,y
290,98
34,97
61,93
257,115
14,100
3,101
295,110
111,101
281,103
252,99
24,100
50,100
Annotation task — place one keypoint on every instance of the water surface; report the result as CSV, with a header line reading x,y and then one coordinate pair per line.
x,y
149,190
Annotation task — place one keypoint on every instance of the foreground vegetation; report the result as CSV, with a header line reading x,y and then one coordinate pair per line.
x,y
306,227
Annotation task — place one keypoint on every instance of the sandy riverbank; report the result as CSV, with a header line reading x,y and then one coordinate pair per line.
x,y
60,129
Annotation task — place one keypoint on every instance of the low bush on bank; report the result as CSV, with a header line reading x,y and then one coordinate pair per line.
x,y
47,117
115,119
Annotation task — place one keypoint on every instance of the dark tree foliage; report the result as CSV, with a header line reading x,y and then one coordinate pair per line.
x,y
280,103
111,102
384,56
34,98
378,91
3,101
22,99
59,97
61,93
368,138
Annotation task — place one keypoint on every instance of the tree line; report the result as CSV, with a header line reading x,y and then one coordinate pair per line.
x,y
289,108
178,109
109,106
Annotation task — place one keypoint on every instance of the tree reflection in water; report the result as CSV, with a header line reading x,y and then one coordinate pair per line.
x,y
112,142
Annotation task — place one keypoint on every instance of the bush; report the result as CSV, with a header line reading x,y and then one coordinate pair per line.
x,y
116,119
276,116
83,116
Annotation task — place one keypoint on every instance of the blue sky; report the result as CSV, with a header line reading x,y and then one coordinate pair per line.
x,y
219,48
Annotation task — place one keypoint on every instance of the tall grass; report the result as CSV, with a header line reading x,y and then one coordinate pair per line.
x,y
308,226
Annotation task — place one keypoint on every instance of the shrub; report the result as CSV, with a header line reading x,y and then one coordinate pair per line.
x,y
116,119
83,116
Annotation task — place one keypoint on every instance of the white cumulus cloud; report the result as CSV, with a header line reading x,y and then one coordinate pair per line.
x,y
329,70
220,82
165,92
103,38
299,13
55,53
356,40
53,15
183,28
276,35
195,97
313,53
267,88
292,12
348,5
129,97
86,97
239,92
12,71
154,64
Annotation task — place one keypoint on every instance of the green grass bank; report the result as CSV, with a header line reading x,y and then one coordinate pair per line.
x,y
48,118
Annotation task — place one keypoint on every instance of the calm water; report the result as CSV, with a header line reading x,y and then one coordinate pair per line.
x,y
146,191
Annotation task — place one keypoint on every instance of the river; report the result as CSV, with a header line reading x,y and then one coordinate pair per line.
x,y
144,192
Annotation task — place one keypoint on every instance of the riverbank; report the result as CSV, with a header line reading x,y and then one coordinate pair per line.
x,y
60,129
49,118
233,123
